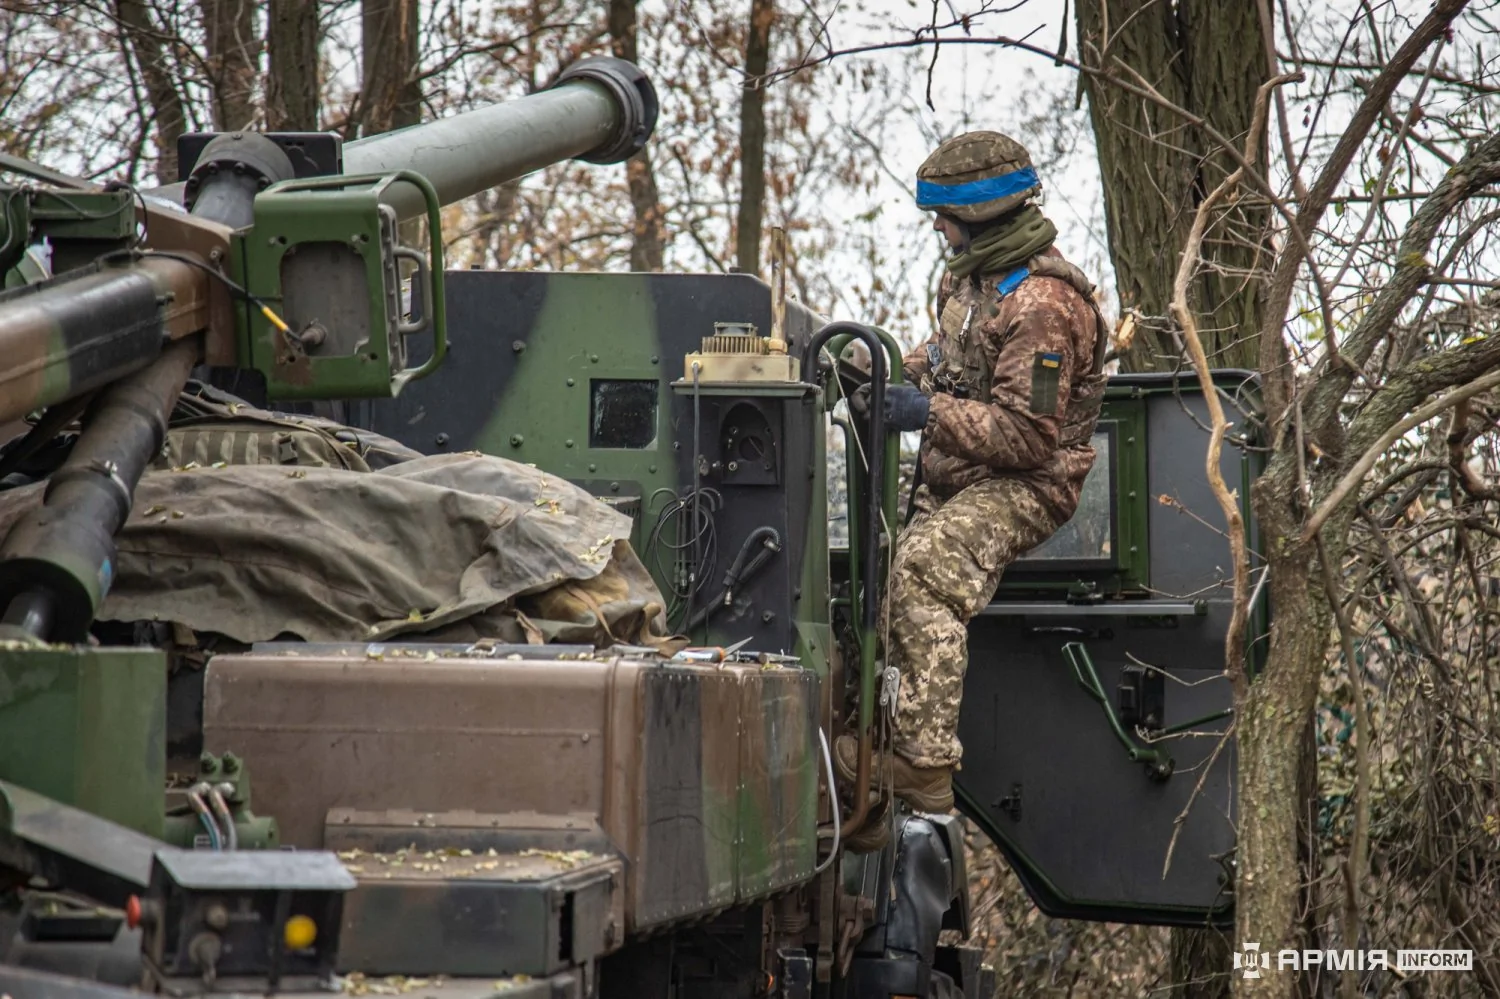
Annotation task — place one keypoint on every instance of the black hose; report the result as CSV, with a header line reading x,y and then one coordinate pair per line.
x,y
747,564
744,565
693,577
57,562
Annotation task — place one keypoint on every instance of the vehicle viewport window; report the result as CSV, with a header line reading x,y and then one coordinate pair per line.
x,y
1090,535
622,414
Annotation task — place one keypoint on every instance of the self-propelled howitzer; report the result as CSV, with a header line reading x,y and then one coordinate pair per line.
x,y
286,260
278,255
427,623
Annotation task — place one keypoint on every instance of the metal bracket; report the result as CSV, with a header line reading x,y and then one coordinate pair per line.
x,y
1011,803
1142,698
890,689
1143,703
1159,765
340,296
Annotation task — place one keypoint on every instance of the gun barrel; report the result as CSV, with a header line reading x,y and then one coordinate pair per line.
x,y
82,331
601,110
57,560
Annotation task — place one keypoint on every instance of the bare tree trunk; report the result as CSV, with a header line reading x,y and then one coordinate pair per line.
x,y
647,239
1202,55
1205,56
232,52
1226,65
292,73
1275,756
141,39
753,138
389,96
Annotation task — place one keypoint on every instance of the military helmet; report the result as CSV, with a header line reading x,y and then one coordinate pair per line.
x,y
976,176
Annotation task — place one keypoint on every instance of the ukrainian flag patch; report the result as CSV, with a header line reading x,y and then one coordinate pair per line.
x,y
1046,371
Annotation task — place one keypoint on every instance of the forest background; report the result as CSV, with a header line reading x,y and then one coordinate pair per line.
x,y
1304,189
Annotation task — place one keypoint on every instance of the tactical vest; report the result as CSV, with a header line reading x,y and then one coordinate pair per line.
x,y
964,364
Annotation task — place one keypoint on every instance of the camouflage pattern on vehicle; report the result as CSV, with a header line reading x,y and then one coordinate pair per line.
x,y
702,779
584,750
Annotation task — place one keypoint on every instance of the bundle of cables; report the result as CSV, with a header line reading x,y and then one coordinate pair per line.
x,y
693,547
208,801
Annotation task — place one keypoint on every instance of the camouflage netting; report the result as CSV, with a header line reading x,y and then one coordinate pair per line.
x,y
306,541
1038,957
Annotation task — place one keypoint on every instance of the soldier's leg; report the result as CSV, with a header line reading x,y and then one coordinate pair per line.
x,y
945,571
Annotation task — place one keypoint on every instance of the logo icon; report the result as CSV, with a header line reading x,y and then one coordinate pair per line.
x,y
1250,960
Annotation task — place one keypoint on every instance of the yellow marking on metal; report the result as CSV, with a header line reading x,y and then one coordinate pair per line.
x,y
275,320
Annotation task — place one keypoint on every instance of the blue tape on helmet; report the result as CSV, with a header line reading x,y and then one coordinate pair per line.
x,y
975,192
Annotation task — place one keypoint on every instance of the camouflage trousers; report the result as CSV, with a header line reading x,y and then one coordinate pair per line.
x,y
947,565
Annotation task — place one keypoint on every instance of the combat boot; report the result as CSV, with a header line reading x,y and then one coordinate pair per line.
x,y
875,832
926,789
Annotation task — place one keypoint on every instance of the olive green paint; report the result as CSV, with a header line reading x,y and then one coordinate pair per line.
x,y
814,632
57,380
1132,495
1124,412
80,226
306,212
604,326
763,862
87,727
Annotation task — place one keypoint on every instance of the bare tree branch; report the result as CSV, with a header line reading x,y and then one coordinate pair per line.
x,y
1234,640
1352,478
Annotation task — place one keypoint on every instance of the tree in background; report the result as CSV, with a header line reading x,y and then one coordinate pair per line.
x,y
292,78
389,94
1343,250
231,50
367,67
1336,313
753,137
647,242
146,54
1156,167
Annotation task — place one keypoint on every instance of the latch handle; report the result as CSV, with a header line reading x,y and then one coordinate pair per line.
x,y
430,274
1159,765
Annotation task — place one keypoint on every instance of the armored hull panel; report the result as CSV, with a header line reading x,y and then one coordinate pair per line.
x,y
1098,750
704,780
68,716
576,373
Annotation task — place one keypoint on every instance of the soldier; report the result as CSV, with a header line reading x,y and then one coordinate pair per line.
x,y
1006,394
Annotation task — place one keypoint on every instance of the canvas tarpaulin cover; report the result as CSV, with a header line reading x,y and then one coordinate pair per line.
x,y
449,548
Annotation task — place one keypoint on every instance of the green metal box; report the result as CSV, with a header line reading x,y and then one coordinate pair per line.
x,y
87,727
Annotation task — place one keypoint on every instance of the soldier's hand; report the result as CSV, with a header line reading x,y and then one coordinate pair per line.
x,y
859,401
905,408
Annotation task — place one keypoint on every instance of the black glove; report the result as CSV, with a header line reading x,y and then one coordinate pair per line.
x,y
905,408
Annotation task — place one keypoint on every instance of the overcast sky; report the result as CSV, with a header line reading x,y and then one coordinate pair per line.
x,y
986,87
983,87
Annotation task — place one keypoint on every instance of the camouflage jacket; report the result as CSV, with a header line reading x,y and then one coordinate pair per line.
x,y
1013,373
